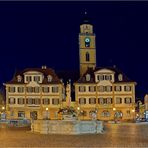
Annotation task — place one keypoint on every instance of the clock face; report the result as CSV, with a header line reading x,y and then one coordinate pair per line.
x,y
87,40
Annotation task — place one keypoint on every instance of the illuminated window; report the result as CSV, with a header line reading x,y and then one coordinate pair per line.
x,y
108,88
100,100
118,88
87,77
28,78
101,88
11,89
92,100
46,101
92,88
11,101
36,78
49,77
55,89
55,101
45,89
82,100
20,101
118,100
19,78
128,100
120,77
82,88
127,88
20,89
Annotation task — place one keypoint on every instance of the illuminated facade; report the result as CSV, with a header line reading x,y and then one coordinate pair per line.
x,y
105,91
100,93
34,93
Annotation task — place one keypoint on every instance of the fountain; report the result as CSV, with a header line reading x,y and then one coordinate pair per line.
x,y
70,124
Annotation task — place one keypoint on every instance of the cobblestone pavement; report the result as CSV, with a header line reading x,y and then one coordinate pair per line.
x,y
115,135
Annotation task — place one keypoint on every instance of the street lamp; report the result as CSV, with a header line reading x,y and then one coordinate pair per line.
x,y
78,108
133,110
3,108
46,112
114,109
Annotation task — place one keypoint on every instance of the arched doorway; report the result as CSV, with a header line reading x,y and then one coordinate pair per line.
x,y
118,115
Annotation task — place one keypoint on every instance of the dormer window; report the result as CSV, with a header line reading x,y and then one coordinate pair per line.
x,y
49,77
19,78
120,77
87,77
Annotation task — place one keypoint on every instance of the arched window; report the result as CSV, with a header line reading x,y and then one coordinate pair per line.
x,y
49,77
87,56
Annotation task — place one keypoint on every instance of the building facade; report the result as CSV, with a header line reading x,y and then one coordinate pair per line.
x,y
105,92
34,93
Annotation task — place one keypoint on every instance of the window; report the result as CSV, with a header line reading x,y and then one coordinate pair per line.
x,y
46,101
31,101
45,89
20,89
101,88
127,88
100,100
20,101
87,77
82,88
82,100
108,88
109,100
11,89
21,114
36,78
92,88
28,78
49,77
55,101
128,100
37,101
105,114
100,77
11,101
120,77
87,57
19,78
118,88
92,100
108,77
36,89
29,89
104,100
55,89
118,100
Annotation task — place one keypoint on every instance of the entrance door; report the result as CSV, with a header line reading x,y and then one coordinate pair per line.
x,y
33,115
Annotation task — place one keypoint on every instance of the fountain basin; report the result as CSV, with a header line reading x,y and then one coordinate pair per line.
x,y
66,127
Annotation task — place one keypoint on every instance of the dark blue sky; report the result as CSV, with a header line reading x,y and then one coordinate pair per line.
x,y
37,33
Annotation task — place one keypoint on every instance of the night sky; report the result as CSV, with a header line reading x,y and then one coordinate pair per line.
x,y
33,34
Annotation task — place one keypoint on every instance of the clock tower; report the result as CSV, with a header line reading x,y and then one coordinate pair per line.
x,y
87,47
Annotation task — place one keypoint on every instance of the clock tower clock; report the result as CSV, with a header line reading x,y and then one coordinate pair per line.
x,y
87,47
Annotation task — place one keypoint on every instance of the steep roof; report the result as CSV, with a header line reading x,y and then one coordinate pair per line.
x,y
90,71
44,71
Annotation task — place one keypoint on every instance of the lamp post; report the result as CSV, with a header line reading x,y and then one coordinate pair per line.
x,y
114,109
133,111
78,109
46,112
